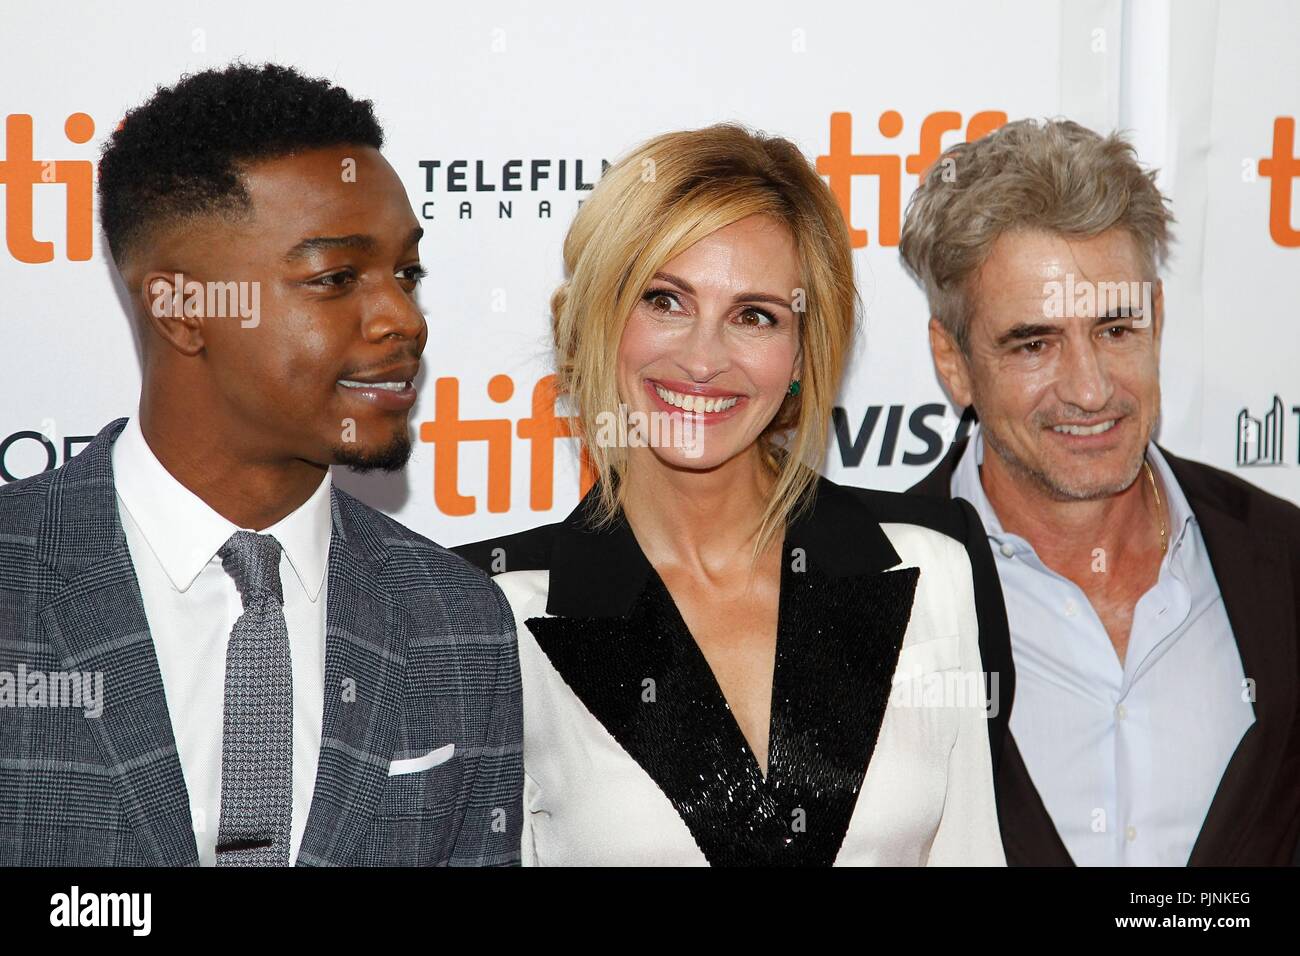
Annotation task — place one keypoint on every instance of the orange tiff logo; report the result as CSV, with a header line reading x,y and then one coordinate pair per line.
x,y
20,173
1281,168
841,164
540,430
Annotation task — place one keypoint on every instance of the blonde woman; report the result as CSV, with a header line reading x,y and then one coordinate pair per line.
x,y
728,659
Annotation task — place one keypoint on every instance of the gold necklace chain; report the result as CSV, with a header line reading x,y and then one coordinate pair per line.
x,y
1160,511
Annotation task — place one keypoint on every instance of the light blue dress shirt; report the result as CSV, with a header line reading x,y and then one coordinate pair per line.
x,y
1126,757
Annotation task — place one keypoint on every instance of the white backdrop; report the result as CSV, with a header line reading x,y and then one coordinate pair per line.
x,y
1199,85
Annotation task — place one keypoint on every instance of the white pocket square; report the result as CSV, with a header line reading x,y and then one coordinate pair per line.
x,y
416,764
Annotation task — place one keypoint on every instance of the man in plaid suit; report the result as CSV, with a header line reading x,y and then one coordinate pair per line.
x,y
209,654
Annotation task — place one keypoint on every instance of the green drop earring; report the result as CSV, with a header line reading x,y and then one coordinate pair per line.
x,y
794,387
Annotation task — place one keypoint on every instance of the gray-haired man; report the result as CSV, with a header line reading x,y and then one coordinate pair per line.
x,y
1152,600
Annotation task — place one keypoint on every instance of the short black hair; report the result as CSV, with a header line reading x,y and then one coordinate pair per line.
x,y
178,155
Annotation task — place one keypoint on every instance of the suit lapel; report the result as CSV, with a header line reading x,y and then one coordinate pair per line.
x,y
96,623
1255,580
837,650
625,651
366,638
1029,836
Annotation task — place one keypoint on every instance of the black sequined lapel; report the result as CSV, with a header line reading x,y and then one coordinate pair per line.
x,y
652,690
837,648
644,678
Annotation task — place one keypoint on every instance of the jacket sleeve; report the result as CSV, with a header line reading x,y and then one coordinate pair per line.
x,y
489,833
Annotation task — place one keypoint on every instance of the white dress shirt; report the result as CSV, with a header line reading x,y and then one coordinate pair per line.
x,y
926,799
191,604
1126,756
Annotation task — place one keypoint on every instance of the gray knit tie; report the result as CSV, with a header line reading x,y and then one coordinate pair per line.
x,y
257,741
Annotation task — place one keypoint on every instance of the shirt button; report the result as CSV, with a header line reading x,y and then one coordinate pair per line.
x,y
1007,550
1071,609
1130,834
1121,712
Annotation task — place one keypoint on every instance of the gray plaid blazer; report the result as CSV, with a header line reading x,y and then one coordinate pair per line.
x,y
419,651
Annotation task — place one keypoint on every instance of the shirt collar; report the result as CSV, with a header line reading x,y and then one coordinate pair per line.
x,y
966,484
1180,510
185,533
